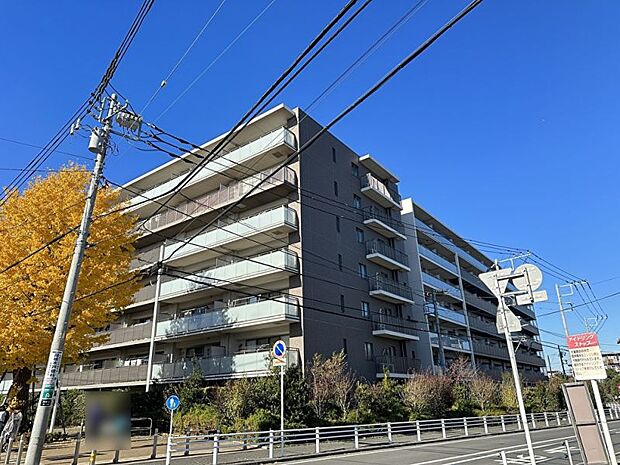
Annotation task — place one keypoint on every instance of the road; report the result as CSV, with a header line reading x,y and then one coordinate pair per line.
x,y
472,451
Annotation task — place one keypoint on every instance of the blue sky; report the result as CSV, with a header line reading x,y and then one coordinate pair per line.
x,y
506,129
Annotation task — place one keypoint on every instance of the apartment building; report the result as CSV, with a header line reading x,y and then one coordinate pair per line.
x,y
612,361
323,255
458,307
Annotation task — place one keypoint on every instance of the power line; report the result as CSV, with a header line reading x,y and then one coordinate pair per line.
x,y
215,60
412,56
180,60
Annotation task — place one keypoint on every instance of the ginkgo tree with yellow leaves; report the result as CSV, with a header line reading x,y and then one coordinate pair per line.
x,y
31,289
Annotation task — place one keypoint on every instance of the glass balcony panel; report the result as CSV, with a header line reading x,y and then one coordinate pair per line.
x,y
379,192
236,314
229,160
380,284
396,365
274,262
383,224
237,231
219,198
376,247
440,285
438,259
451,342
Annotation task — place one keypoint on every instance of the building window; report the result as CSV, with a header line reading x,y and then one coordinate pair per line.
x,y
344,346
340,262
363,271
342,303
334,154
336,188
365,309
355,170
337,224
368,351
357,201
359,234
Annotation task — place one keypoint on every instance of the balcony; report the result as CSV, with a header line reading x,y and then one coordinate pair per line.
x,y
378,192
446,314
101,377
440,238
483,326
390,291
226,195
382,254
459,343
397,367
383,224
502,353
473,280
270,267
241,313
224,367
392,327
439,285
437,259
235,236
262,152
480,303
135,334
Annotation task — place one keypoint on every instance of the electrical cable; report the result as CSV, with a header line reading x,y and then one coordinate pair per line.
x,y
180,60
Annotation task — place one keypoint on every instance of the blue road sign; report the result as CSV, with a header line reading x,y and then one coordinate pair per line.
x,y
279,349
172,403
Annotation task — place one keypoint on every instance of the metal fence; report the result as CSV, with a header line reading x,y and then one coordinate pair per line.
x,y
250,447
265,446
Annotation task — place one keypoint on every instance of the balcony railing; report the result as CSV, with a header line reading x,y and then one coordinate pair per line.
x,y
437,236
385,196
380,284
393,324
485,326
230,160
105,376
478,302
381,248
447,313
451,342
243,312
217,199
438,259
229,366
121,335
441,285
373,214
279,261
282,217
396,365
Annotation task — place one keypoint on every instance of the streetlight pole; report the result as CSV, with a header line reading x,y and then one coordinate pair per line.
x,y
99,145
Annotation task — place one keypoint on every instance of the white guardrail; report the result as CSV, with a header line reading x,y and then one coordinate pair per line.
x,y
260,446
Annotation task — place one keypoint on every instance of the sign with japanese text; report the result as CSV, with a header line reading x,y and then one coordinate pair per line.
x,y
586,356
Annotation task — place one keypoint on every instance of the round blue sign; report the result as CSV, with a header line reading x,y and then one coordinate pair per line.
x,y
279,349
172,402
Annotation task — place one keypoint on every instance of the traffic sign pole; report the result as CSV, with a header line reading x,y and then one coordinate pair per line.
x,y
279,359
282,407
172,403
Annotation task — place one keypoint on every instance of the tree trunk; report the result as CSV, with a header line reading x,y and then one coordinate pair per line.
x,y
17,397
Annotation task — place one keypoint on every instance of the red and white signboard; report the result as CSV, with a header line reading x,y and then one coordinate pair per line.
x,y
586,356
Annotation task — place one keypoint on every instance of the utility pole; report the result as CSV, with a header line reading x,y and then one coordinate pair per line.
x,y
595,389
160,270
562,359
98,144
442,353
